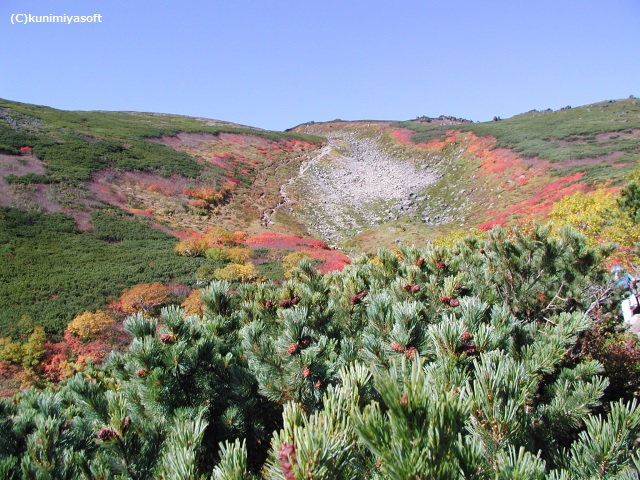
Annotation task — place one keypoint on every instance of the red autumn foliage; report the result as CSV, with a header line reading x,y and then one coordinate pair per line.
x,y
333,259
403,136
64,358
541,203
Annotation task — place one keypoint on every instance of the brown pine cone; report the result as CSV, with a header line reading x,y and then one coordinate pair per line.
x,y
411,352
465,337
105,434
168,337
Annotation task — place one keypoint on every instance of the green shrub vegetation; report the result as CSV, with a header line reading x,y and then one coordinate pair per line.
x,y
557,136
462,362
52,272
75,144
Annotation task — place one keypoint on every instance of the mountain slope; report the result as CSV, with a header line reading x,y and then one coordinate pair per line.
x,y
459,175
360,185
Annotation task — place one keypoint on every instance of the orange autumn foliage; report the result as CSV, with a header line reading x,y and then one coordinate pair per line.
x,y
144,297
193,303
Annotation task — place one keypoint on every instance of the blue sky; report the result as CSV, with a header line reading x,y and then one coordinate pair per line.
x,y
275,64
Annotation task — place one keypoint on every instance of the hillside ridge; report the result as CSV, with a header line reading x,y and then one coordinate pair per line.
x,y
125,178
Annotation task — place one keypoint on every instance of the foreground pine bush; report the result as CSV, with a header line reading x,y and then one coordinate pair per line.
x,y
440,363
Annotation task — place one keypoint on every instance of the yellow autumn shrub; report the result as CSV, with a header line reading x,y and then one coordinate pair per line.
x,y
191,247
597,215
218,236
235,272
193,303
89,325
291,261
238,254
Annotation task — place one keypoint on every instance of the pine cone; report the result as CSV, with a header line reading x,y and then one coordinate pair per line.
x,y
268,304
396,347
168,337
404,400
287,457
454,303
420,262
142,372
293,349
106,434
407,287
415,288
470,349
317,385
286,303
445,300
357,298
440,264
306,372
465,337
295,300
411,352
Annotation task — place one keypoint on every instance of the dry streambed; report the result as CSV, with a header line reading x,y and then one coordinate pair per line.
x,y
353,184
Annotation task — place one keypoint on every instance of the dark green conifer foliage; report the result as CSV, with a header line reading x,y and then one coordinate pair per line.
x,y
629,200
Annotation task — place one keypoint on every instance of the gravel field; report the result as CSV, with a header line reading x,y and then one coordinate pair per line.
x,y
353,184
